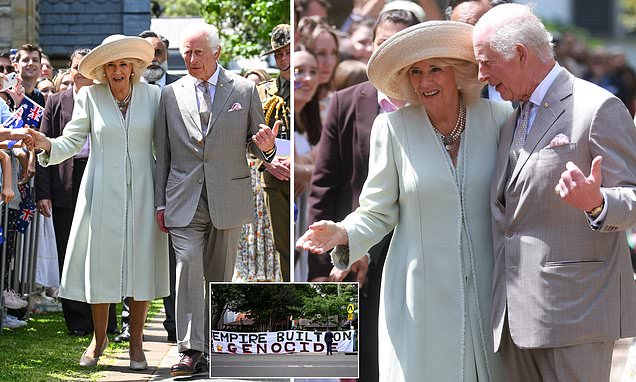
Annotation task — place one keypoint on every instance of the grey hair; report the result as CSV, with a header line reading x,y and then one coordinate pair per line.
x,y
138,68
211,33
78,52
521,26
465,79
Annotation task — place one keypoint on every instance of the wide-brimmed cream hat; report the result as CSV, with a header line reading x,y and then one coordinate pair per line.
x,y
115,47
432,39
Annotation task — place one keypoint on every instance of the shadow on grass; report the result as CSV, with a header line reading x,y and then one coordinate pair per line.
x,y
43,351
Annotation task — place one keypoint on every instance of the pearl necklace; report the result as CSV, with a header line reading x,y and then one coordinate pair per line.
x,y
124,103
449,140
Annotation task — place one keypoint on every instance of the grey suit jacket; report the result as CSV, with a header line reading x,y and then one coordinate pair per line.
x,y
186,159
561,281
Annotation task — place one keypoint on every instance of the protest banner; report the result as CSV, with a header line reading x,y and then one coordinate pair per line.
x,y
287,341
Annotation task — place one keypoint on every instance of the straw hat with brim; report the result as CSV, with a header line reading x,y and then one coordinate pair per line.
x,y
115,47
432,39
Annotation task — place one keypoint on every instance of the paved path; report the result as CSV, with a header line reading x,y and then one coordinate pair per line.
x,y
161,355
284,365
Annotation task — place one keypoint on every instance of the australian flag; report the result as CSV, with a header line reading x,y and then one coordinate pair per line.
x,y
28,114
27,209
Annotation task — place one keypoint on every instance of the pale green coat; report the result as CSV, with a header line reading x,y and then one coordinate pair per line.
x,y
115,249
435,299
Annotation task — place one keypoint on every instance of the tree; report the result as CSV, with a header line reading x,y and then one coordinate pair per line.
x,y
245,25
265,303
180,7
330,300
221,296
627,15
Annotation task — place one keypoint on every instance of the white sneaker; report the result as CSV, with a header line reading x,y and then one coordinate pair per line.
x,y
13,322
12,300
52,292
41,304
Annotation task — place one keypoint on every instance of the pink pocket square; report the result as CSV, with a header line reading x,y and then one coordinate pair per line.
x,y
235,107
559,140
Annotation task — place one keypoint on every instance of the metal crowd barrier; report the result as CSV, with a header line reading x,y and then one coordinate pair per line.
x,y
20,273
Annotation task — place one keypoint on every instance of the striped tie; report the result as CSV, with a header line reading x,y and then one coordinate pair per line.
x,y
519,138
205,107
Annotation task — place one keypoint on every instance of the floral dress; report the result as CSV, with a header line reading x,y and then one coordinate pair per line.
x,y
256,258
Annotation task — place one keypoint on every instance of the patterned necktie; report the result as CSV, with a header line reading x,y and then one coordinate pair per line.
x,y
205,107
519,138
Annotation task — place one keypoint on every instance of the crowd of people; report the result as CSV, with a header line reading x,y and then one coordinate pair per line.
x,y
461,176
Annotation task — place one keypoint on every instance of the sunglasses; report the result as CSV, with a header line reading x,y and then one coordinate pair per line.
x,y
7,68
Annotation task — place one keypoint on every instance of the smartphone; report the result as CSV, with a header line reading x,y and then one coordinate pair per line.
x,y
10,80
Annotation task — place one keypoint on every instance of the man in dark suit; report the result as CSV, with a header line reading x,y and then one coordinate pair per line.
x,y
157,74
339,173
58,186
329,342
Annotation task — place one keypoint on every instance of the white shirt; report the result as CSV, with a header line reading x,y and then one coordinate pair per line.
x,y
539,93
160,82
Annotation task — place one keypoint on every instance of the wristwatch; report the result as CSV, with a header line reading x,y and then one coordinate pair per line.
x,y
596,211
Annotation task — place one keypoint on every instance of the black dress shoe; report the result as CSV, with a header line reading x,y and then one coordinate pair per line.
x,y
124,336
202,366
187,365
77,332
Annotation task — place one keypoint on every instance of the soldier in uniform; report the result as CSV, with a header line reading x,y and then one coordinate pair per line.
x,y
275,97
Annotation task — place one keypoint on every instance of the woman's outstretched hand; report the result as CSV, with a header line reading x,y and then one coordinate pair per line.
x,y
40,141
322,236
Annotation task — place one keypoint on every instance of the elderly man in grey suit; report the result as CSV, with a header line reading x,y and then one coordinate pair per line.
x,y
203,193
563,289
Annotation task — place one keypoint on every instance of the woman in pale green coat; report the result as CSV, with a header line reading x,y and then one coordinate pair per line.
x,y
430,167
115,249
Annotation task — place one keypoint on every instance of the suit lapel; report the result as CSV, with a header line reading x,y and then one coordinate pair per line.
x,y
185,95
367,103
366,109
505,140
548,112
223,90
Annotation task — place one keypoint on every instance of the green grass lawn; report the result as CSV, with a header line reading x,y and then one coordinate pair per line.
x,y
43,351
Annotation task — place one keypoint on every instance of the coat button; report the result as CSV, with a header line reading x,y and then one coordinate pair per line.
x,y
200,181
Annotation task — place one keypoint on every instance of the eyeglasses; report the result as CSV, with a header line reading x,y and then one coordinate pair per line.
x,y
7,68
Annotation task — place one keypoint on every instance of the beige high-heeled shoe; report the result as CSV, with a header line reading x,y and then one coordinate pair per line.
x,y
87,361
138,365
